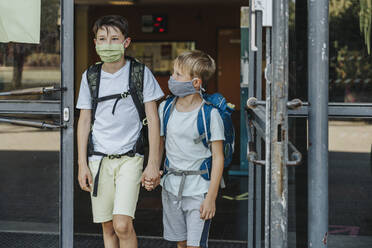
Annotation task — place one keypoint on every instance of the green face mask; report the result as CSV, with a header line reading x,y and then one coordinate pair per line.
x,y
110,52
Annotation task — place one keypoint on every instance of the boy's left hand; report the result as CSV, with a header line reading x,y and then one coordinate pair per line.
x,y
207,209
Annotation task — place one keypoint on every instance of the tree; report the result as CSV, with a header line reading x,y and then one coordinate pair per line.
x,y
49,36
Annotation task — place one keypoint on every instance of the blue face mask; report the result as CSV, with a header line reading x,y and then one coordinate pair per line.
x,y
181,89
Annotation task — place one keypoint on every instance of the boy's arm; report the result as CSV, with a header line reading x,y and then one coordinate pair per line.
x,y
82,141
152,169
208,208
152,184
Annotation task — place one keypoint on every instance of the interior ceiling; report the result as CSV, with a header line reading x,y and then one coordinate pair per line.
x,y
167,2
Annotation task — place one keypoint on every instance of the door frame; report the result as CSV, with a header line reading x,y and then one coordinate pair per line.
x,y
67,134
264,122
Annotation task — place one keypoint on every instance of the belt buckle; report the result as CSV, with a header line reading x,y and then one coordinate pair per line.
x,y
145,122
130,154
114,156
124,95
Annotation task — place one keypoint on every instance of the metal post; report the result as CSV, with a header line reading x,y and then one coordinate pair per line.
x,y
268,76
244,64
279,126
299,125
67,134
258,138
251,178
318,123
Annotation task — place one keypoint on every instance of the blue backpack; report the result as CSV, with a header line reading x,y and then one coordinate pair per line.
x,y
225,110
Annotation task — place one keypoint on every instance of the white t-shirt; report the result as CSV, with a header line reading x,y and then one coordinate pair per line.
x,y
117,134
183,153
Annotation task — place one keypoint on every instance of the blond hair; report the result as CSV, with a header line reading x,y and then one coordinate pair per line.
x,y
196,63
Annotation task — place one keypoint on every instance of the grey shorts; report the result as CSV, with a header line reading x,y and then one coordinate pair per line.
x,y
182,221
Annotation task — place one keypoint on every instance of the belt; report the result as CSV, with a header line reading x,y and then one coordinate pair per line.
x,y
183,174
130,153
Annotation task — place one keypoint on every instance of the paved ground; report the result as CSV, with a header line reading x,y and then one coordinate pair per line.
x,y
32,76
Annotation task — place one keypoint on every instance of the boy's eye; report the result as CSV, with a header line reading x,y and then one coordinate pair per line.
x,y
115,38
101,38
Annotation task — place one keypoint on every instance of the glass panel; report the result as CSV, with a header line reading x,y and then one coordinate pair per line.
x,y
350,71
158,56
350,182
34,65
29,186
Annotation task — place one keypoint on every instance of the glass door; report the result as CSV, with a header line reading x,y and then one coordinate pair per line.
x,y
36,134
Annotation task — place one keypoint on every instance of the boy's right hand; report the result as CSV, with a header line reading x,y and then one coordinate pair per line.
x,y
85,178
152,183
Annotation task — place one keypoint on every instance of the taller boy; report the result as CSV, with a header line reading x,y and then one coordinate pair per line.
x,y
117,99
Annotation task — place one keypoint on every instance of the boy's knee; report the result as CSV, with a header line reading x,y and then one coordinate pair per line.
x,y
123,227
108,228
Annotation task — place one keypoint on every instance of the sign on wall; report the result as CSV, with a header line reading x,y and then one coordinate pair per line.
x,y
20,21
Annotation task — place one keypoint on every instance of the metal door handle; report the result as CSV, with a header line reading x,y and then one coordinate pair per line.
x,y
33,91
29,123
296,103
296,157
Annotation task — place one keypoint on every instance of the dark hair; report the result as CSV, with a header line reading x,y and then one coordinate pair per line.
x,y
112,21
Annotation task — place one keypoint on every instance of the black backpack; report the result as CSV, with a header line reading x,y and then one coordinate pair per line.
x,y
136,76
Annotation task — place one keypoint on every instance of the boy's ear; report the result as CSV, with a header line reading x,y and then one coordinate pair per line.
x,y
127,42
197,83
95,41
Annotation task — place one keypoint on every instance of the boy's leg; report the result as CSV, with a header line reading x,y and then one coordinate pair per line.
x,y
127,177
103,204
173,220
197,229
109,236
123,226
181,244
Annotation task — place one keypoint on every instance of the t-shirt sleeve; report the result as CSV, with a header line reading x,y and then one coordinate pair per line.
x,y
160,111
84,100
217,128
151,88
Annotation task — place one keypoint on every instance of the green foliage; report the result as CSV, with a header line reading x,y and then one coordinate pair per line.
x,y
349,61
351,64
43,59
365,21
338,7
49,31
347,15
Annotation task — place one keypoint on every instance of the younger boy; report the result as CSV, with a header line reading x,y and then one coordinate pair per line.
x,y
111,131
189,199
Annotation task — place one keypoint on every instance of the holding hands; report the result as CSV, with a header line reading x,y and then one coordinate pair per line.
x,y
151,178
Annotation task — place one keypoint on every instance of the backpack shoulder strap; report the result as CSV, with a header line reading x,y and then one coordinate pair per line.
x,y
93,79
168,109
136,78
204,124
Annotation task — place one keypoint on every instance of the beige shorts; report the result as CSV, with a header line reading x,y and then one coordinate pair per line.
x,y
118,187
